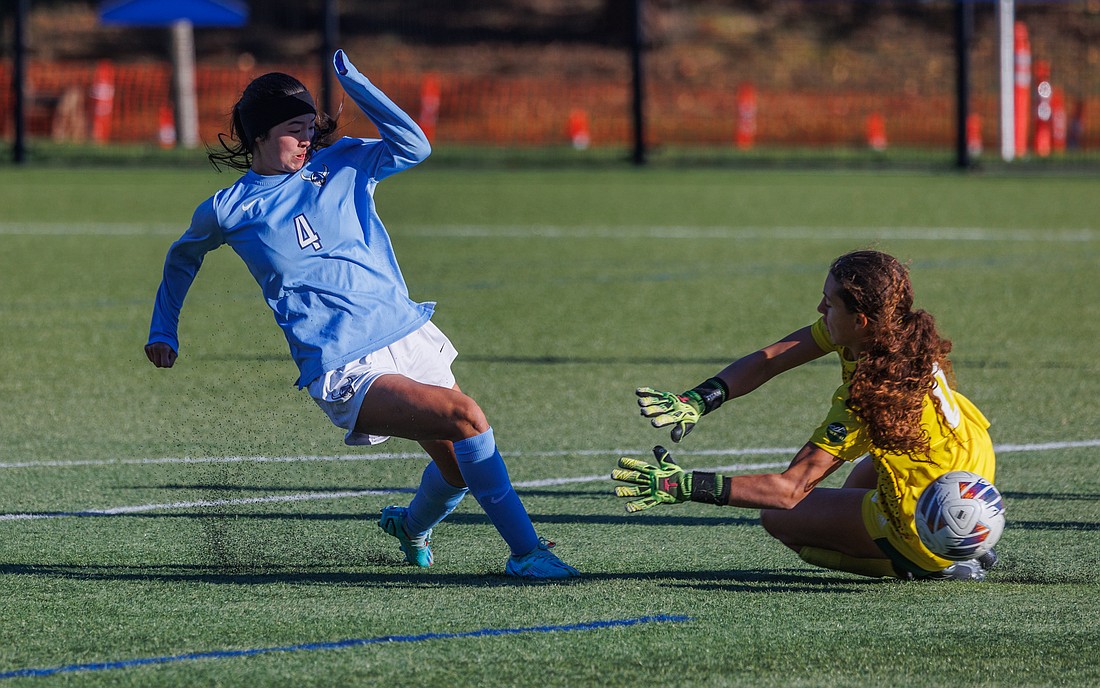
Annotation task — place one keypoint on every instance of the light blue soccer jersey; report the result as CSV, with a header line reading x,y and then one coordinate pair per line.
x,y
314,243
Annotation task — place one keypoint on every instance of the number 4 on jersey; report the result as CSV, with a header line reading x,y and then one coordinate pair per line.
x,y
307,238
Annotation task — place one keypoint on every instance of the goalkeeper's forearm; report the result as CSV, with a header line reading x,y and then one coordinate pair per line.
x,y
710,488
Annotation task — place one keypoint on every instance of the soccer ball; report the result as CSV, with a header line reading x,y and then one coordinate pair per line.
x,y
960,516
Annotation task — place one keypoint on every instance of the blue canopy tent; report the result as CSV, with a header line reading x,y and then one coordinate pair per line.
x,y
182,16
161,13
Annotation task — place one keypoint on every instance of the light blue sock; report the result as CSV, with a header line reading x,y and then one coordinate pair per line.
x,y
484,471
434,499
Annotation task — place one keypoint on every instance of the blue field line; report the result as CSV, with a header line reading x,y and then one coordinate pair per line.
x,y
341,644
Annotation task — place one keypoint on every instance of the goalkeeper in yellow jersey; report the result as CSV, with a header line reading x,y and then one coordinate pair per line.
x,y
895,414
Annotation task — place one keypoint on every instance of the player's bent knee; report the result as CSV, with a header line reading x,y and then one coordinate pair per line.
x,y
468,418
769,522
776,525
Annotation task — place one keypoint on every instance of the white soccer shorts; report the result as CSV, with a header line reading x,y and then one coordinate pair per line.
x,y
424,356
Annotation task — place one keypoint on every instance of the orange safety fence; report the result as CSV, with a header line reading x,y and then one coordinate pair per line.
x,y
506,111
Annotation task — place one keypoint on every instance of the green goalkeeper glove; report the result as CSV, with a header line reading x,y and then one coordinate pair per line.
x,y
681,411
665,483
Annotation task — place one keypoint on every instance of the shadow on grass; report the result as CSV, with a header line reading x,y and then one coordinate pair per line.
x,y
539,360
454,519
307,574
550,360
603,491
649,520
295,489
761,580
757,580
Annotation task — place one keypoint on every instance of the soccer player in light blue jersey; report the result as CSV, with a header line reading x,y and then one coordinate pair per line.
x,y
303,219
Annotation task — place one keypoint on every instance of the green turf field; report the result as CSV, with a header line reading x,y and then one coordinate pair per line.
x,y
205,525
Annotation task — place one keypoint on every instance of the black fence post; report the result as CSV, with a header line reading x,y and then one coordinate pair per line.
x,y
329,38
637,46
18,82
964,28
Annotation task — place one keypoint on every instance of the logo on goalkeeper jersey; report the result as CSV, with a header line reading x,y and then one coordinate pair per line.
x,y
836,432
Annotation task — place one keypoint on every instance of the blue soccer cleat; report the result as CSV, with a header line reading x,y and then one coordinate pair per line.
x,y
417,549
540,563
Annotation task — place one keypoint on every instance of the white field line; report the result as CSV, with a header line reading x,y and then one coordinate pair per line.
x,y
546,482
315,496
799,233
141,508
379,456
386,456
1048,446
91,228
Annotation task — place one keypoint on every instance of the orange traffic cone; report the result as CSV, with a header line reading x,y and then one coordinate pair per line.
x,y
429,105
1059,126
974,134
166,126
745,135
103,100
876,131
579,134
1021,57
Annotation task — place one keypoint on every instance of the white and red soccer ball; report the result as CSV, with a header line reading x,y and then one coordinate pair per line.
x,y
960,516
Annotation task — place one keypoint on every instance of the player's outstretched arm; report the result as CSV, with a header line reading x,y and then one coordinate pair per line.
x,y
683,411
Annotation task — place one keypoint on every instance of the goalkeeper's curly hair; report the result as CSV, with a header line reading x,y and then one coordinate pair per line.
x,y
895,371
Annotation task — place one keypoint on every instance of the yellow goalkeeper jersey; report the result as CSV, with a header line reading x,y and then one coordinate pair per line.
x,y
959,440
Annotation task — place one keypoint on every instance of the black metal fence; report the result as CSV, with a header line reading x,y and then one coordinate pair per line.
x,y
689,81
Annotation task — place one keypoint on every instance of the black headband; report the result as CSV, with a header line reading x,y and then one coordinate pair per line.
x,y
259,116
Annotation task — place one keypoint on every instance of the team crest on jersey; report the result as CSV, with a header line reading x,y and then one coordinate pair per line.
x,y
316,177
836,432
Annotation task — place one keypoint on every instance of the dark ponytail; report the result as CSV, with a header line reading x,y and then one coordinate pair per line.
x,y
267,101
